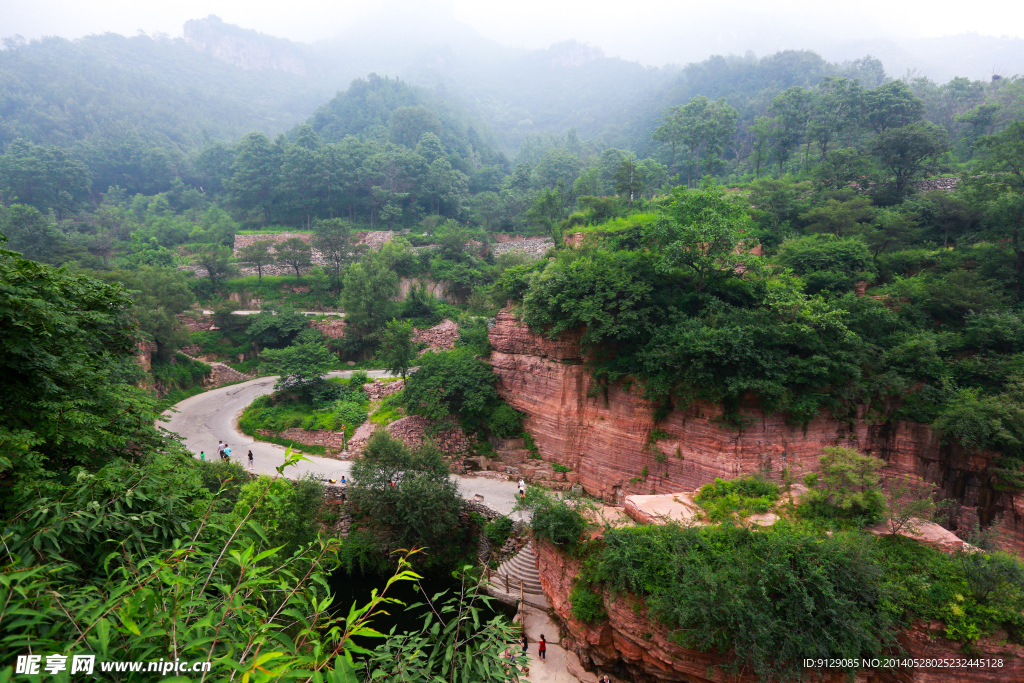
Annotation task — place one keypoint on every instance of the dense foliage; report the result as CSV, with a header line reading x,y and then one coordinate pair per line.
x,y
409,494
779,595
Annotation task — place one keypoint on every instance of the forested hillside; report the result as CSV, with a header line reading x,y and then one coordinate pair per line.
x,y
779,238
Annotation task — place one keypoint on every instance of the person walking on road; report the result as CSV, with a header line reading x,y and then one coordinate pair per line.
x,y
542,647
522,488
202,455
250,460
227,453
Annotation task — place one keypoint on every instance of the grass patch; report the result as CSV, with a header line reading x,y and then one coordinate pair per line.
x,y
618,224
388,409
724,500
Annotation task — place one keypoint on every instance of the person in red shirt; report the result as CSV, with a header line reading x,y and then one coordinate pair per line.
x,y
542,646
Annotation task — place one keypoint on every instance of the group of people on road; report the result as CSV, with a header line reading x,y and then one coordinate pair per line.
x,y
224,451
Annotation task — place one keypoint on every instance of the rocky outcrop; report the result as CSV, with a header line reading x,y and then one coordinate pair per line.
x,y
379,388
631,639
245,48
603,434
333,327
441,337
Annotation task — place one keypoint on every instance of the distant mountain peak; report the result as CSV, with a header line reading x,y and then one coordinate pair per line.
x,y
243,47
573,53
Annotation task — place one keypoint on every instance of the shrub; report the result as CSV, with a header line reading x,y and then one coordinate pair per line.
x,y
722,499
559,467
497,532
451,384
846,490
587,606
363,553
183,373
505,421
774,597
558,521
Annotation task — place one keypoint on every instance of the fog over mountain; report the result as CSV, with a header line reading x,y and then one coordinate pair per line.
x,y
937,40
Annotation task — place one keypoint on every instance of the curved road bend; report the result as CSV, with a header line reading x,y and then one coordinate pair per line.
x,y
204,419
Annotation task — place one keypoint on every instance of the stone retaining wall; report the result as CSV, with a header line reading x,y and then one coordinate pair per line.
x,y
533,246
412,431
332,441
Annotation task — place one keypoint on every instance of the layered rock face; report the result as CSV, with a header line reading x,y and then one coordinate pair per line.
x,y
604,436
632,640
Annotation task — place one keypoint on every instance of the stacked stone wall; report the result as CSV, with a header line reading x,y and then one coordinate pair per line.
x,y
533,246
332,441
412,431
373,239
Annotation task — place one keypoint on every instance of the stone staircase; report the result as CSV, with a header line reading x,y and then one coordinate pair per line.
x,y
518,576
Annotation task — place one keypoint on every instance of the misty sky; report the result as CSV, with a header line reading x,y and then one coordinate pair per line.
x,y
651,31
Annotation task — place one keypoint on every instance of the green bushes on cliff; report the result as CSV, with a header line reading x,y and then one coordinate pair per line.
x,y
779,595
558,520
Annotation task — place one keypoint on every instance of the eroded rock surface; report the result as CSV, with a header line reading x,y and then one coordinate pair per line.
x,y
603,433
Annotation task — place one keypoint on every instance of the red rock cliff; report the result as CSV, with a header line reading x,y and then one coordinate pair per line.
x,y
602,434
632,640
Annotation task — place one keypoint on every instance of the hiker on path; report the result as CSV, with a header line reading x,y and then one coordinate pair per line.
x,y
202,456
542,647
227,452
250,460
522,488
220,448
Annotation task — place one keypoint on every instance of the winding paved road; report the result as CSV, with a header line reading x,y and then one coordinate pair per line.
x,y
204,419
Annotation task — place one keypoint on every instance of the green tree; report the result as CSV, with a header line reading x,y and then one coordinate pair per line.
x,y
275,329
397,350
451,384
409,492
891,105
300,366
256,169
408,125
30,232
835,109
295,252
257,254
629,181
792,109
368,293
840,217
846,487
66,371
333,239
840,168
906,151
700,235
218,263
1002,189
